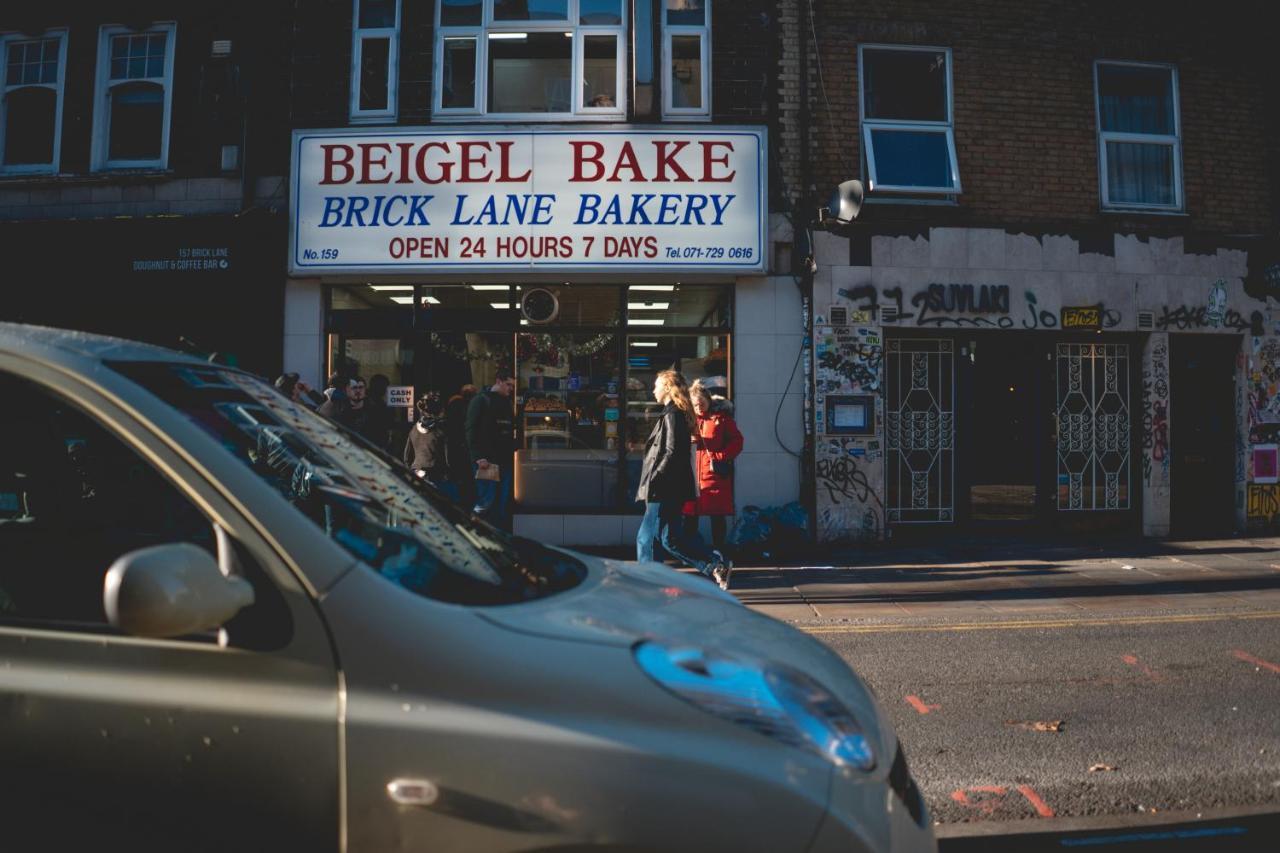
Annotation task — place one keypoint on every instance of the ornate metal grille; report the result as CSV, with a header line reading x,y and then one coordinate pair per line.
x,y
920,431
1093,427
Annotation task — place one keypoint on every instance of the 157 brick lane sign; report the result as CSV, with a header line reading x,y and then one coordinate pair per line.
x,y
554,199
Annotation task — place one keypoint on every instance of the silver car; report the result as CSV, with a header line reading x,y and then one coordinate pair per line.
x,y
226,625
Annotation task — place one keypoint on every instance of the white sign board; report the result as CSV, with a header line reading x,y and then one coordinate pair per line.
x,y
400,396
554,199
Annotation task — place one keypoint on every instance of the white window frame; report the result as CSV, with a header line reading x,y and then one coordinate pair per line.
x,y
702,113
943,128
1173,141
6,39
488,25
102,92
358,36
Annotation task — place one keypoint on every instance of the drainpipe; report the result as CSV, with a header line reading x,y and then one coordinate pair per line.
x,y
804,256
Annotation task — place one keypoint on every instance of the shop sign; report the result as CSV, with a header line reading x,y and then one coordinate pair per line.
x,y
186,259
554,198
1088,317
400,396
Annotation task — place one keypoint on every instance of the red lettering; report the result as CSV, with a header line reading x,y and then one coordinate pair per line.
x,y
667,160
420,165
708,161
331,162
368,161
405,176
627,160
579,158
504,165
468,159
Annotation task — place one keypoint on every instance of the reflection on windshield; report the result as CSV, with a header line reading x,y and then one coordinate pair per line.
x,y
366,502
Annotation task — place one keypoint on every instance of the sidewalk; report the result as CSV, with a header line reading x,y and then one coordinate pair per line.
x,y
1012,581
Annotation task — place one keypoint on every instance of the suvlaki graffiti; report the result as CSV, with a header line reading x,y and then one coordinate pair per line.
x,y
1155,415
962,305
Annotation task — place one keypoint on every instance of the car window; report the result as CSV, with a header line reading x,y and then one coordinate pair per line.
x,y
74,498
363,499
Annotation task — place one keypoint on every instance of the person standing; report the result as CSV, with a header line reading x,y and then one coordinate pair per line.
x,y
719,443
667,483
290,385
337,407
455,430
379,417
425,449
491,445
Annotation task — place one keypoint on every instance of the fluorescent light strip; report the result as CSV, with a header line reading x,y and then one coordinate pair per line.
x,y
633,321
648,306
431,300
489,286
501,306
662,288
402,300
382,287
644,343
508,36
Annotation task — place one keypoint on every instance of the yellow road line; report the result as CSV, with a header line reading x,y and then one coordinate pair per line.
x,y
1025,624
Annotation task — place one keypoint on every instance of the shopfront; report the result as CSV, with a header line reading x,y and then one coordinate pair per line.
x,y
583,262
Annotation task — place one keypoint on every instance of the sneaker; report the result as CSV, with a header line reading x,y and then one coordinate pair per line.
x,y
721,570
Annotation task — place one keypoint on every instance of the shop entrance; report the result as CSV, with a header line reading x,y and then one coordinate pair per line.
x,y
1202,434
1005,440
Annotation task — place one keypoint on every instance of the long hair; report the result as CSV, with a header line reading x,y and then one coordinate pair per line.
x,y
679,389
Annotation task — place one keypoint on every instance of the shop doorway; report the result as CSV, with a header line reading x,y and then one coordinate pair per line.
x,y
1006,388
1202,426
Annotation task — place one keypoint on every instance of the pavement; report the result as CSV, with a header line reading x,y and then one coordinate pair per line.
x,y
1122,695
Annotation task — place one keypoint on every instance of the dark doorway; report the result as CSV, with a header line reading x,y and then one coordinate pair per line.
x,y
1202,427
1005,377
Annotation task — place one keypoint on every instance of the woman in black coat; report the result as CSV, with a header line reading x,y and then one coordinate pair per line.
x,y
666,482
425,449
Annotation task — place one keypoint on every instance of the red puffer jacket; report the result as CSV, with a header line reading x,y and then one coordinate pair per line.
x,y
721,441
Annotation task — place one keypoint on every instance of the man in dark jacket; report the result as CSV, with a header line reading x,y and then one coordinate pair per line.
x,y
461,471
490,443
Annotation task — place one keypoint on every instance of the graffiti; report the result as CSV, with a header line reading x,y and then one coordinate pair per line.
x,y
1185,317
1036,317
1264,501
948,299
842,478
849,503
1216,310
1155,413
857,363
1264,392
1088,317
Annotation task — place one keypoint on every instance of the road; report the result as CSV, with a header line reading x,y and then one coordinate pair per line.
x,y
1069,689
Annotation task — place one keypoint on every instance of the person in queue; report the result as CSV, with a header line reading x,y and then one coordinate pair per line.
x,y
455,430
491,445
292,386
426,448
667,483
719,442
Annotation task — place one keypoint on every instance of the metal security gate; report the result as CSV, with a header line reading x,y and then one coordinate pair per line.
x,y
920,431
1093,427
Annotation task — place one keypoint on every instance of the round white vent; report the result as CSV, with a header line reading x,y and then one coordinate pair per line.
x,y
539,306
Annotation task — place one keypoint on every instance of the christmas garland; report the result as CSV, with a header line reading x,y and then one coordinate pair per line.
x,y
463,354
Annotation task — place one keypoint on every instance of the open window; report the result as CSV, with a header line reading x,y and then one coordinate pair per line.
x,y
375,60
1139,137
908,140
31,101
134,97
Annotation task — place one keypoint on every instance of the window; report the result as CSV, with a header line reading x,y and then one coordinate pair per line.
x,y
908,142
532,59
1139,150
375,60
31,101
686,51
134,93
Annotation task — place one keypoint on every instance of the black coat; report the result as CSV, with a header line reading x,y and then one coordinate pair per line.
x,y
667,472
425,451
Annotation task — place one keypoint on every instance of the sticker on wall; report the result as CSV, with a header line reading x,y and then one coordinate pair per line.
x,y
1266,463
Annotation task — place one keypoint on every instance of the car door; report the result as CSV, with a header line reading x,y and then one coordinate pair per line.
x,y
224,740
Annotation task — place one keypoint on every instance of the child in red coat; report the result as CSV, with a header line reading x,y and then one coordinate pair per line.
x,y
719,443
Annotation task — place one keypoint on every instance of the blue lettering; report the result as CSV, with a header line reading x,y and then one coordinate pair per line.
x,y
457,211
542,208
613,212
386,214
697,203
488,212
517,204
588,202
333,205
721,208
356,206
417,212
669,202
640,216
378,201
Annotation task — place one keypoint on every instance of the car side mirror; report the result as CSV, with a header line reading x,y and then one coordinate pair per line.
x,y
171,590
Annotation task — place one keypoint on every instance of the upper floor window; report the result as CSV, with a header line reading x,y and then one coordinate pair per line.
x,y
1139,145
375,60
31,101
531,59
686,54
133,97
908,139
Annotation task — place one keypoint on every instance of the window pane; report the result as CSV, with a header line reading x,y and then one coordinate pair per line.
x,y
600,12
530,73
570,420
119,47
909,85
1135,100
599,71
458,80
119,69
686,72
689,13
679,306
460,13
530,10
375,58
911,158
1140,174
137,122
29,122
377,13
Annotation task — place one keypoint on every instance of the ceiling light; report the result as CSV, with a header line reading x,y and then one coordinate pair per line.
x,y
431,300
632,321
644,343
500,305
664,288
402,300
381,287
489,286
648,306
508,36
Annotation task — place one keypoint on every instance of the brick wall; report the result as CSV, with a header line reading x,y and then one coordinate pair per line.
x,y
1024,114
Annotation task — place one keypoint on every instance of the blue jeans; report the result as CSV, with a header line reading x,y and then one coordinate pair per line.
x,y
663,521
493,498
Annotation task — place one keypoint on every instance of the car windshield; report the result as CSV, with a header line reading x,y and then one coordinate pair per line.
x,y
364,500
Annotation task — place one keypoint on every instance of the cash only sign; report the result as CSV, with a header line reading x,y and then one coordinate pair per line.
x,y
543,199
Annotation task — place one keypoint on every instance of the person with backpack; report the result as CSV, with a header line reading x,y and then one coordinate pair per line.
x,y
491,444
